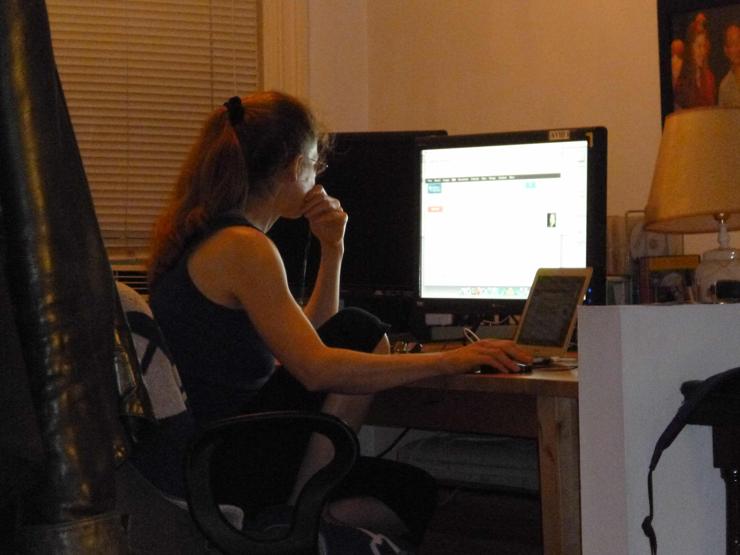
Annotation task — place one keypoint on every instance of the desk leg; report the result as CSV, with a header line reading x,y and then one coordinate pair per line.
x,y
559,475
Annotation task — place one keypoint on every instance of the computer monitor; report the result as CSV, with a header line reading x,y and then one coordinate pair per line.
x,y
496,207
373,174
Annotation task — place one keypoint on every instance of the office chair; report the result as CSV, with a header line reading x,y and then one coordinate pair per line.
x,y
79,406
293,530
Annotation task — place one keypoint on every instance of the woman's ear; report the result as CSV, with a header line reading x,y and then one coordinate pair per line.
x,y
296,166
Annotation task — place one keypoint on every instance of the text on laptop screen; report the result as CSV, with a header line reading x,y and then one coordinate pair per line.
x,y
548,318
492,214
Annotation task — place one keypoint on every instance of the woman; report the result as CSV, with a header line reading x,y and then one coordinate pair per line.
x,y
220,294
696,85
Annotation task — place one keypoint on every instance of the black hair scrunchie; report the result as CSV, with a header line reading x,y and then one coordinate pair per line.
x,y
235,109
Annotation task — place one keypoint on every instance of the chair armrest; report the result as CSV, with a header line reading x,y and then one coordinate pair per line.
x,y
302,536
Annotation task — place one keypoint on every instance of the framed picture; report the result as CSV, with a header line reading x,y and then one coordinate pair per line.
x,y
699,48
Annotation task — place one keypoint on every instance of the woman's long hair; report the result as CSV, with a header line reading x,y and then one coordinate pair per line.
x,y
227,164
686,91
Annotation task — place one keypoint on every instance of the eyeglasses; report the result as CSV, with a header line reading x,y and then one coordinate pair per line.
x,y
319,166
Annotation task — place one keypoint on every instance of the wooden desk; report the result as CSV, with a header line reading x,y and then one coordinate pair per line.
x,y
542,405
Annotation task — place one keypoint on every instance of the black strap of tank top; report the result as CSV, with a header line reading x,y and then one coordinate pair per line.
x,y
227,220
218,223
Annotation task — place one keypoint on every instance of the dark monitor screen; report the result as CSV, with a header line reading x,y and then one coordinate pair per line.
x,y
496,207
373,174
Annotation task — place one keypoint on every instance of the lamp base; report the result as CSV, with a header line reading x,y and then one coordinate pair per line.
x,y
716,264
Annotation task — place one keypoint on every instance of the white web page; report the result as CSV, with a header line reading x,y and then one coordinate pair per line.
x,y
492,215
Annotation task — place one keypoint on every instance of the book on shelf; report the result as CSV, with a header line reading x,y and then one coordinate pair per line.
x,y
667,279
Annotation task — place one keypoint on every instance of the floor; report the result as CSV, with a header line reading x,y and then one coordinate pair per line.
x,y
470,522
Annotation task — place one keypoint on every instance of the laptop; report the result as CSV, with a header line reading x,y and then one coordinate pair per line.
x,y
549,317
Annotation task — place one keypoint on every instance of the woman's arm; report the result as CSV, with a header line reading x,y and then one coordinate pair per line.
x,y
250,269
327,221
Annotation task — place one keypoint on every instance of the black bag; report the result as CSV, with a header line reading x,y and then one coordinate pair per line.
x,y
698,407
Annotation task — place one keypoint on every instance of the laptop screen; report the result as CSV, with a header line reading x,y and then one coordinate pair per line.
x,y
549,316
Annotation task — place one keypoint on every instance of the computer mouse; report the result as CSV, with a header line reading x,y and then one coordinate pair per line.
x,y
523,369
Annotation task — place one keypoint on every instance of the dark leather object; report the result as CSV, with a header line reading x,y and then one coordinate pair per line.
x,y
21,450
94,534
59,277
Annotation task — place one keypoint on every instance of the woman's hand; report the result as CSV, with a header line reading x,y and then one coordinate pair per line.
x,y
325,217
501,354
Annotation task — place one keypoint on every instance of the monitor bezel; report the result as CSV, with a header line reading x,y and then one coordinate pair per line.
x,y
596,137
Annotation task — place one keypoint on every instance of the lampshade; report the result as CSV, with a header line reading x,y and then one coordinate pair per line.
x,y
697,173
696,189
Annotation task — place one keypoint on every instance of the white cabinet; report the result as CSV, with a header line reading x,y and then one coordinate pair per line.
x,y
632,362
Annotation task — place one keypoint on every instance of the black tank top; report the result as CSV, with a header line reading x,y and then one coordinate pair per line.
x,y
221,358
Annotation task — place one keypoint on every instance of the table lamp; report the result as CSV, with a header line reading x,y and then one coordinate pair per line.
x,y
696,187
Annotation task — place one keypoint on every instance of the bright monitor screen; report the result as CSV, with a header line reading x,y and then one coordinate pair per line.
x,y
494,208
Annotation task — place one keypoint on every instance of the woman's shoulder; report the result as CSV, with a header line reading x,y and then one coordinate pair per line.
x,y
230,259
239,246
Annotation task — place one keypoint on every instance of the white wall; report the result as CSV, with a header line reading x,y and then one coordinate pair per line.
x,y
479,65
473,66
338,60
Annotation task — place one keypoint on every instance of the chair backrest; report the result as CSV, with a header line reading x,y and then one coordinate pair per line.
x,y
158,369
159,454
153,495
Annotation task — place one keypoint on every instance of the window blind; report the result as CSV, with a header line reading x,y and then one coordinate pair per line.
x,y
140,76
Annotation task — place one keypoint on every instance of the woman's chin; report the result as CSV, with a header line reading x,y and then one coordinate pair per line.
x,y
292,215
